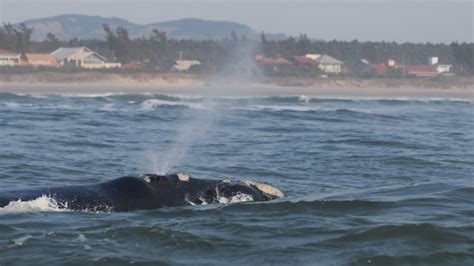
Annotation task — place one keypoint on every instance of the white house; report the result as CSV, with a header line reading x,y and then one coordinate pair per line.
x,y
329,65
443,68
184,65
9,58
434,61
313,56
81,57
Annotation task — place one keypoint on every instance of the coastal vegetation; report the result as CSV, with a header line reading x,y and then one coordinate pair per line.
x,y
234,53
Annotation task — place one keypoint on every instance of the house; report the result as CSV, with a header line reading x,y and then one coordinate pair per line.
x,y
134,65
81,57
379,69
272,60
305,66
184,65
303,60
329,65
434,62
275,65
443,68
37,60
421,71
9,58
313,56
392,63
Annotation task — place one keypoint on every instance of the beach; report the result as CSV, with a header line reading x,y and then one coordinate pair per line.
x,y
88,82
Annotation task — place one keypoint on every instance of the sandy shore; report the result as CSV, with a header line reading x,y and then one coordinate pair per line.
x,y
90,83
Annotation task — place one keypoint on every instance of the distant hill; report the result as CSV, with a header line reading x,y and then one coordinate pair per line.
x,y
71,26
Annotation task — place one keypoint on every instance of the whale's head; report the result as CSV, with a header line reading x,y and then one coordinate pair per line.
x,y
181,186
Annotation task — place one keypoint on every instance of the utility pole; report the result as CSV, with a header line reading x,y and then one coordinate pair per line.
x,y
180,55
403,65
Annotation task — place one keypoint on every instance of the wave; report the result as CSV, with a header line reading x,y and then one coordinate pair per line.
x,y
48,204
41,204
386,143
155,103
298,98
279,207
294,108
16,105
423,231
339,112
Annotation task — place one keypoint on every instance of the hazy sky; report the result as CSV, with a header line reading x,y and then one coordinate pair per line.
x,y
389,20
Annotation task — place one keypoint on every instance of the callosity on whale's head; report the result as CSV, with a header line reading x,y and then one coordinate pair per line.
x,y
270,192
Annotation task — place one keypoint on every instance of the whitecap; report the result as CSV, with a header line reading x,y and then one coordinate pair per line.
x,y
21,240
304,98
15,105
108,107
43,203
278,108
154,103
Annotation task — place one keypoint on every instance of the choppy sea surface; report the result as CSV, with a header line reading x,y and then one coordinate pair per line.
x,y
367,181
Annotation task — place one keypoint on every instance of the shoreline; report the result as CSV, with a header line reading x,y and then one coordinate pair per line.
x,y
90,82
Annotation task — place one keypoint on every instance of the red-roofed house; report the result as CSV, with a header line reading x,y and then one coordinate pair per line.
x,y
272,60
379,69
421,71
9,58
304,60
134,65
274,64
37,60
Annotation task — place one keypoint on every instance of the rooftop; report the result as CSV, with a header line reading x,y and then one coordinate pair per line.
x,y
7,52
272,60
304,60
421,69
32,55
65,52
326,59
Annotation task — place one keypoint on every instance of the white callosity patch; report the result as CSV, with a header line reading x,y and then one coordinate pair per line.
x,y
183,177
203,200
43,203
239,197
147,179
265,188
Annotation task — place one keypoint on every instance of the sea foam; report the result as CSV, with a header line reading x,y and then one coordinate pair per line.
x,y
154,103
41,204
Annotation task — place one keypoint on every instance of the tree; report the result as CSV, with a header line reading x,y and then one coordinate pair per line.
x,y
119,42
51,43
23,38
8,38
263,43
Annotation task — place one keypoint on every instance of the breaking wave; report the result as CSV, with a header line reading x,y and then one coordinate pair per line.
x,y
155,103
41,204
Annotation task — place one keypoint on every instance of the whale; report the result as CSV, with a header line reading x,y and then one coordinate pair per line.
x,y
145,192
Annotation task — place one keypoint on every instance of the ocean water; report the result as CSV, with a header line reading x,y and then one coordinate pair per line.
x,y
367,181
